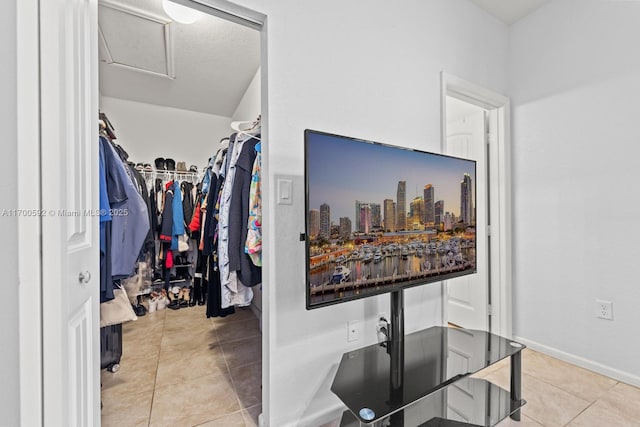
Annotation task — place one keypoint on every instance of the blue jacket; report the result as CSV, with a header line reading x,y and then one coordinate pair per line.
x,y
130,219
178,216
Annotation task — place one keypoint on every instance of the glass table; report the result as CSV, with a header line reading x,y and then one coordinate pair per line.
x,y
423,380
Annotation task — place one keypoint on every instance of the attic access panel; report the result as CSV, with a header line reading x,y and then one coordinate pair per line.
x,y
134,39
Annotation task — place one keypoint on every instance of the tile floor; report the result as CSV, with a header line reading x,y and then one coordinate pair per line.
x,y
179,368
561,394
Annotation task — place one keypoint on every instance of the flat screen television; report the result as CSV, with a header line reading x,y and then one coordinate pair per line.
x,y
380,218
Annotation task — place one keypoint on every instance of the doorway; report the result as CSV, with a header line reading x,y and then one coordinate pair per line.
x,y
475,124
175,100
66,341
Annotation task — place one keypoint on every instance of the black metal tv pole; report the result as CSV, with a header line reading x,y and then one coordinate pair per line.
x,y
397,316
396,350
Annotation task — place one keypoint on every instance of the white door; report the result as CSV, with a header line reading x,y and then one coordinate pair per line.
x,y
70,233
468,295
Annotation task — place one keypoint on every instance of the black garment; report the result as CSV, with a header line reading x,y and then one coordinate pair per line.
x,y
199,287
166,229
158,188
187,203
248,273
106,282
211,222
214,293
149,246
153,210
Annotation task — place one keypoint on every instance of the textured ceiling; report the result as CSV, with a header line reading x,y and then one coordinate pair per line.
x,y
205,66
144,56
510,11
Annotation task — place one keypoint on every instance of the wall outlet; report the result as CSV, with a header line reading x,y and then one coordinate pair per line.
x,y
604,309
354,330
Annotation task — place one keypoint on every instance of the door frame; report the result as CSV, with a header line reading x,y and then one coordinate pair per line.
x,y
32,272
500,278
29,228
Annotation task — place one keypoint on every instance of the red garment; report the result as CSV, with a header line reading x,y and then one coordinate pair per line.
x,y
169,263
194,225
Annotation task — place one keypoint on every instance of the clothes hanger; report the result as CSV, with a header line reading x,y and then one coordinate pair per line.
x,y
246,127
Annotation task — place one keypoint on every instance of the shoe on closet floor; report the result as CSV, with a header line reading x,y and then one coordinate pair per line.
x,y
185,293
163,301
153,305
139,310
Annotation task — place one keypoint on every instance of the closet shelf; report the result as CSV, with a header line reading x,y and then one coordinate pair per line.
x,y
161,282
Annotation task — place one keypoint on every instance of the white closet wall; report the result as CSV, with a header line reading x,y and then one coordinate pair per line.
x,y
149,131
249,106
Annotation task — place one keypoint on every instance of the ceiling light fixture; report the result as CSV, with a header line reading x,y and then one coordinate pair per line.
x,y
180,13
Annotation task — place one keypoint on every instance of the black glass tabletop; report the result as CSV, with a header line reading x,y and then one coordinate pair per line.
x,y
381,379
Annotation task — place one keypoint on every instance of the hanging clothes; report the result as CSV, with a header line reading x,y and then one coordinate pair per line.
x,y
234,292
253,244
187,202
131,224
177,228
247,272
106,284
166,226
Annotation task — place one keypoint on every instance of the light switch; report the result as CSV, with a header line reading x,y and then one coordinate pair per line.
x,y
285,189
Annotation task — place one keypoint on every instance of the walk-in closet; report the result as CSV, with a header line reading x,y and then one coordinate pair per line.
x,y
180,216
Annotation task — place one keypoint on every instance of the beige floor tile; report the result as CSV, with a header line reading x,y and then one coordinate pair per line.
x,y
149,324
251,415
243,352
194,402
232,420
598,415
240,315
578,381
131,412
524,422
546,404
142,349
180,365
334,423
623,399
238,330
185,319
188,338
247,381
134,376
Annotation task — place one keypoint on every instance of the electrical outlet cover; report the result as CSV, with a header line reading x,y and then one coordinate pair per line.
x,y
604,309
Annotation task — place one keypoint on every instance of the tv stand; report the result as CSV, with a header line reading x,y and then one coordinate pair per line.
x,y
422,379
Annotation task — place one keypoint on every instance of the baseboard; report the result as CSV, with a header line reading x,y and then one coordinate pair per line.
x,y
599,368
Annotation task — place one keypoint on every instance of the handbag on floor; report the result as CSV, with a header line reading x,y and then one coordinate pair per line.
x,y
118,310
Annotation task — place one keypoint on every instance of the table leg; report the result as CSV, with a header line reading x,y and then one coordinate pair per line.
x,y
516,384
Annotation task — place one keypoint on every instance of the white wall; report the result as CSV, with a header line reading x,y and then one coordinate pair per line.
x,y
149,131
371,72
366,71
249,107
9,360
575,84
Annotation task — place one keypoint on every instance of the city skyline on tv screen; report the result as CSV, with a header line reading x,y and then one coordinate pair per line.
x,y
381,217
